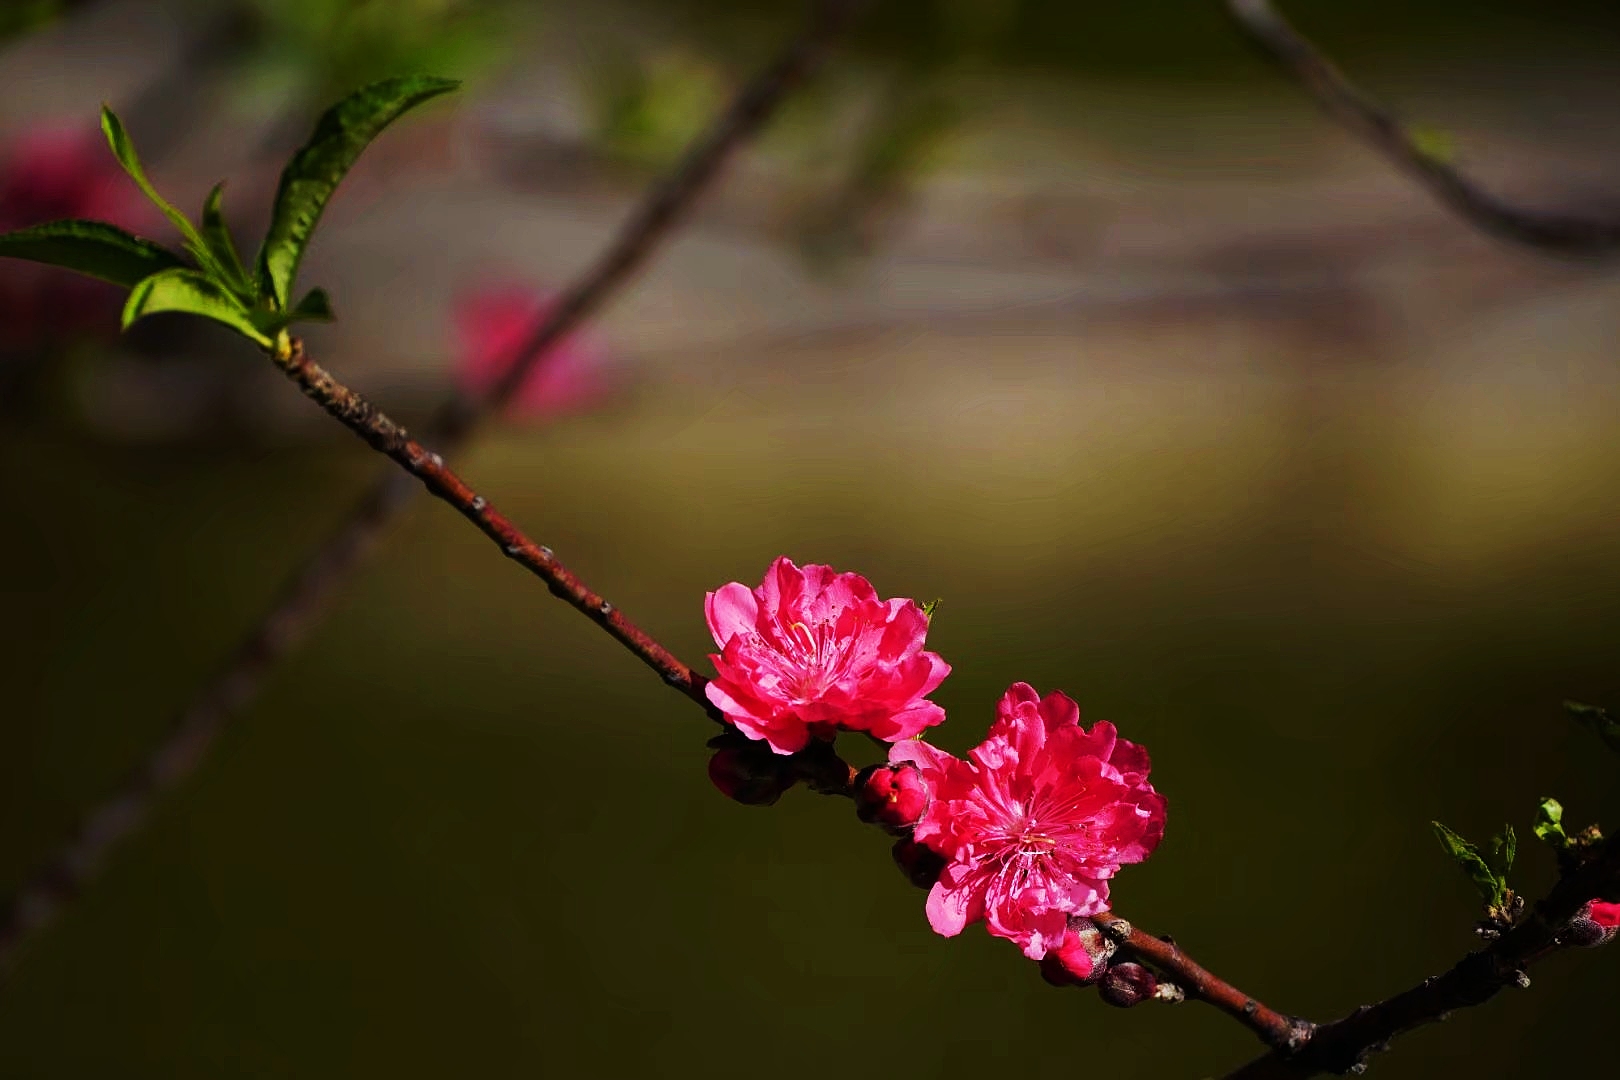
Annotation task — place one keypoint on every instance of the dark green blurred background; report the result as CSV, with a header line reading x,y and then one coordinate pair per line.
x,y
1180,401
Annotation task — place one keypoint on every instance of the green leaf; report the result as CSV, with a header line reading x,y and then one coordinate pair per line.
x,y
1504,846
314,307
929,608
195,293
1550,823
216,236
1491,888
307,183
123,149
1598,719
90,247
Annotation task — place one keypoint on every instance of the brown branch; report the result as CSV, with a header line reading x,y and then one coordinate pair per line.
x,y
43,895
386,437
1344,1045
1299,1048
1553,232
1285,1033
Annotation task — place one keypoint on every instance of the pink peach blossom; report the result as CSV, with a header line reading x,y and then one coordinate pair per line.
x,y
492,323
1035,822
813,651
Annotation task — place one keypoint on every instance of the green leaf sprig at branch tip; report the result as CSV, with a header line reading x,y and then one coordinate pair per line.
x,y
214,282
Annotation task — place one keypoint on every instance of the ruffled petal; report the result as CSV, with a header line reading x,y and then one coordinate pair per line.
x,y
954,902
731,610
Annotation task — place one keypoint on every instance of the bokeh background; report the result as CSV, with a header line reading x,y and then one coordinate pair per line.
x,y
1076,316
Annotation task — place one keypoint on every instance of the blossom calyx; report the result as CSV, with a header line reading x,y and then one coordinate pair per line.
x,y
1595,924
744,772
920,863
893,796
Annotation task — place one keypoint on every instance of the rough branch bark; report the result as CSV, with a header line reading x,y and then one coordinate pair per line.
x,y
1345,1045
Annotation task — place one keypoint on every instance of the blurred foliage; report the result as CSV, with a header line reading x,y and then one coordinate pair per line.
x,y
644,106
325,48
1174,40
898,144
21,16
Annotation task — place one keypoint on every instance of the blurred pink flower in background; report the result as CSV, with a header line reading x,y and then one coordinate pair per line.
x,y
58,171
50,172
491,324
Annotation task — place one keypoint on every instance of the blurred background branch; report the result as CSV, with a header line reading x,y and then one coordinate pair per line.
x,y
1421,153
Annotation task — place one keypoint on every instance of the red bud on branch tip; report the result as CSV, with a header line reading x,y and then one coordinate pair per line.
x,y
893,796
1080,959
1595,924
1127,984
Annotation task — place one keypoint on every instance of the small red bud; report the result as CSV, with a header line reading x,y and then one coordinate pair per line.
x,y
893,796
1080,958
920,863
1127,984
744,775
1595,924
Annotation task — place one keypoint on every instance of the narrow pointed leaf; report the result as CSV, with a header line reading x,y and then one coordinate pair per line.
x,y
1472,862
123,149
1504,847
1549,825
314,307
91,247
342,132
216,236
196,294
1598,719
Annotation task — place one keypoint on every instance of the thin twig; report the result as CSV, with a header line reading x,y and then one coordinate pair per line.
x,y
1300,1049
66,873
1554,232
1275,1029
386,437
1344,1045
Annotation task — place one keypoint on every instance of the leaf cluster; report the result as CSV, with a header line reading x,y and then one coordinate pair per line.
x,y
210,278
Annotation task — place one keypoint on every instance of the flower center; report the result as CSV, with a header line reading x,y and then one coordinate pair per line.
x,y
816,659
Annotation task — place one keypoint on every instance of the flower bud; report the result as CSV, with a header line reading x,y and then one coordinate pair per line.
x,y
1080,958
920,863
1127,984
747,775
893,796
1595,924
